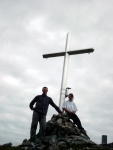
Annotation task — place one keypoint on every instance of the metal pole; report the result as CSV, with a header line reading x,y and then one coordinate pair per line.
x,y
65,70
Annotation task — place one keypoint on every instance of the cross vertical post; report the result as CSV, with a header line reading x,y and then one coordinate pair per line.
x,y
65,71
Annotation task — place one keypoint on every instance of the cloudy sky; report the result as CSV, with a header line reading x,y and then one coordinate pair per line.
x,y
29,29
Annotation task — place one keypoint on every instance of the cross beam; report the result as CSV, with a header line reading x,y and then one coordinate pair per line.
x,y
65,66
75,52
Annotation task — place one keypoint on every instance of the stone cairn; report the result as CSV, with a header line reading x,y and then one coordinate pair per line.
x,y
61,134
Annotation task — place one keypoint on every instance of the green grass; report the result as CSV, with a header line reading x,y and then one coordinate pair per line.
x,y
9,148
77,147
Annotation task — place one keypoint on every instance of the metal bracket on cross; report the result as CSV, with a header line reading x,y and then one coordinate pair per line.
x,y
66,91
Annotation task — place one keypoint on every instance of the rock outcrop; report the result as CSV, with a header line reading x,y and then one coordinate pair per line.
x,y
62,134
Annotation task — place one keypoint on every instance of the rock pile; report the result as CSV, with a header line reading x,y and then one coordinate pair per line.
x,y
61,134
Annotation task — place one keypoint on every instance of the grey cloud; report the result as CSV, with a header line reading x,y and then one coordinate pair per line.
x,y
28,30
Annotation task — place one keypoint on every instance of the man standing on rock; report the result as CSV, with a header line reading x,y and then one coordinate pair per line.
x,y
39,113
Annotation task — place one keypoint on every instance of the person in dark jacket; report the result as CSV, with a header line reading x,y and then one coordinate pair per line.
x,y
39,113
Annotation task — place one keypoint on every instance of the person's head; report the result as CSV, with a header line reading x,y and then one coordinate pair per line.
x,y
45,90
70,96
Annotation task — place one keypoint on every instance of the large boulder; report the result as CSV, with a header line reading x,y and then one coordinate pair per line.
x,y
62,134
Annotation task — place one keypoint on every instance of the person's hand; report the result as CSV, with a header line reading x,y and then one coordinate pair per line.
x,y
61,113
69,112
73,112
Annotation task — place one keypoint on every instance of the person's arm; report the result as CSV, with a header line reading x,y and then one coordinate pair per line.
x,y
55,106
68,111
32,103
73,112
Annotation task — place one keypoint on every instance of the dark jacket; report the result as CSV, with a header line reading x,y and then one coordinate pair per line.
x,y
42,103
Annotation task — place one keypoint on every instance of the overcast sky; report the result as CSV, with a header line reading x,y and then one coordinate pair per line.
x,y
31,28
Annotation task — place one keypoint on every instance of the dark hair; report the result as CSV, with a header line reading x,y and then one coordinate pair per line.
x,y
44,87
71,94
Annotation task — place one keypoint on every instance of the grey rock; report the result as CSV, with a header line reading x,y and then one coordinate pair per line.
x,y
53,147
61,134
59,121
26,142
7,144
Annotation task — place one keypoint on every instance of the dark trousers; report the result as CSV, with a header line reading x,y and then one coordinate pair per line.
x,y
76,120
42,121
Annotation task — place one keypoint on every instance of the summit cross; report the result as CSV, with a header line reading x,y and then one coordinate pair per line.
x,y
65,65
